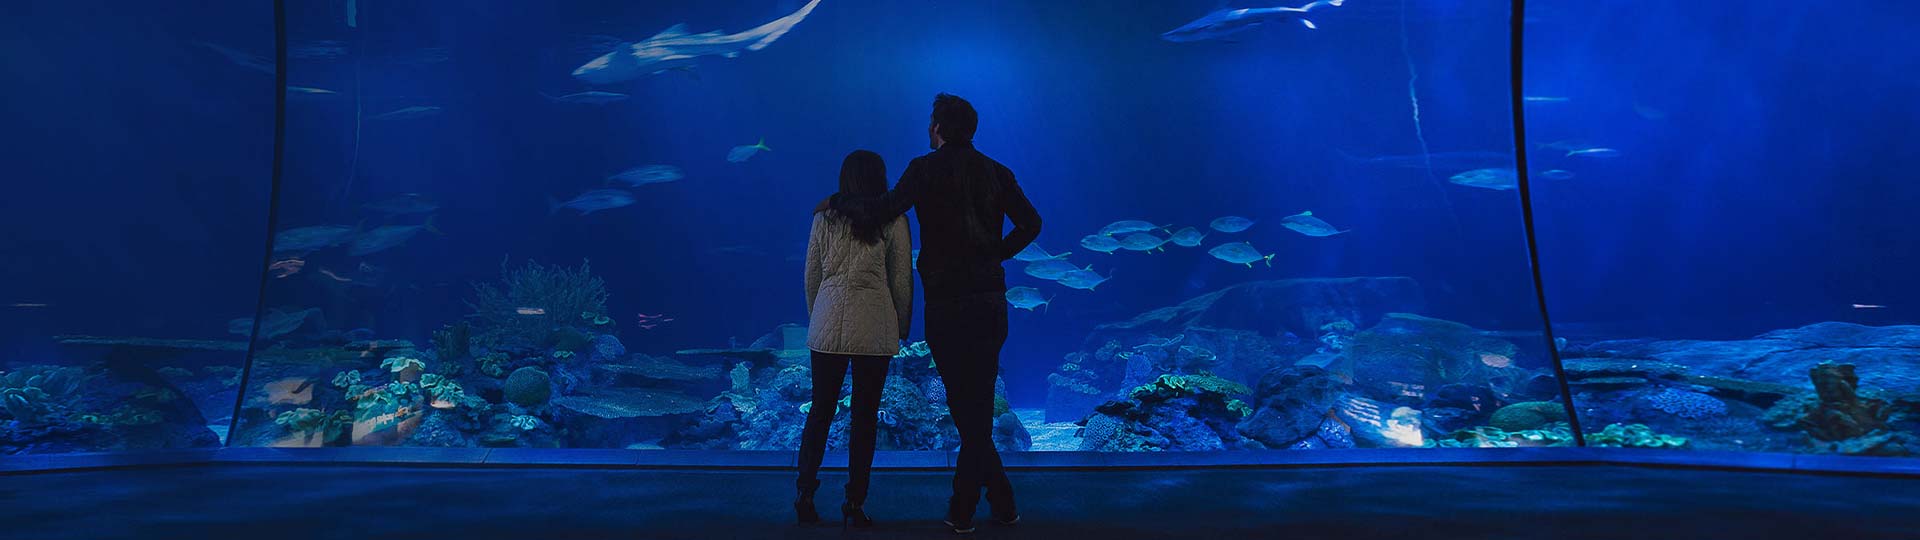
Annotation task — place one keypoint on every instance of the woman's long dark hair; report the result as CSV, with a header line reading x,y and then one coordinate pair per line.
x,y
863,175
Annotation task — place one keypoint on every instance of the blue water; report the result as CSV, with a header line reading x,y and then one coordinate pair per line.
x,y
1759,186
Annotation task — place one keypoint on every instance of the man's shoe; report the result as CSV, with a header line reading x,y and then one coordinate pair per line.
x,y
959,526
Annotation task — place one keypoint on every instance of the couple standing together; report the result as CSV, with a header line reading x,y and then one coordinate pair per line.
x,y
860,304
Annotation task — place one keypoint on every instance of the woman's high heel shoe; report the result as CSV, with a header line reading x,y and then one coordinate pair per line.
x,y
803,504
853,516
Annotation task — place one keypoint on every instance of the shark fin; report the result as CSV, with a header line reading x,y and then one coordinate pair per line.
x,y
762,145
671,31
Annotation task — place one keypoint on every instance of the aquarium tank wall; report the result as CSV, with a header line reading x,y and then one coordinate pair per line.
x,y
583,224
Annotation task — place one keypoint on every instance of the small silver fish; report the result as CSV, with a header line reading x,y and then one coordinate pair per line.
x,y
740,154
1026,298
1231,224
1188,237
1594,153
1305,223
1240,253
593,201
1099,242
409,113
587,98
648,174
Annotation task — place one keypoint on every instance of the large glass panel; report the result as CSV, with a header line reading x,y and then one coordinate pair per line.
x,y
137,176
1724,220
584,224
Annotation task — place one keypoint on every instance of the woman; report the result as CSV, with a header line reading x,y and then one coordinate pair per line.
x,y
860,306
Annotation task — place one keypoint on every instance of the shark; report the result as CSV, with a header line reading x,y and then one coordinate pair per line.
x,y
1223,23
675,49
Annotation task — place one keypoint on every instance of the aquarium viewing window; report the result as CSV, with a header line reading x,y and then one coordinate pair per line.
x,y
1267,231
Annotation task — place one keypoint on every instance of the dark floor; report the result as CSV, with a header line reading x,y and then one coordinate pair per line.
x,y
1402,502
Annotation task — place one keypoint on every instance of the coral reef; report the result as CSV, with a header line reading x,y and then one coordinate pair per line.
x,y
1528,415
1633,436
1175,412
40,394
1687,404
532,301
1293,404
528,387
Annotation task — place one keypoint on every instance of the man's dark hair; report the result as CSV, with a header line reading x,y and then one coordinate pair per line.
x,y
956,118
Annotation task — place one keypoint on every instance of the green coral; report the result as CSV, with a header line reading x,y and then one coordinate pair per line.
x,y
528,387
440,388
398,364
523,422
125,415
34,394
1554,434
1001,406
495,364
562,355
1171,386
1239,408
531,300
308,422
1633,436
346,379
1528,415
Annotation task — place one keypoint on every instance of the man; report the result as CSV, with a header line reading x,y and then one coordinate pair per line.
x,y
962,197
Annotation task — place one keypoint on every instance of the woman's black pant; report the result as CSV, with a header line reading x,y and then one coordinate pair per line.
x,y
869,377
965,335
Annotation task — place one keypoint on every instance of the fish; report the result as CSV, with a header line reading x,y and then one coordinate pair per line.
x,y
1100,242
286,267
1026,298
587,98
648,174
404,204
1437,160
1129,226
1050,269
1033,252
1142,242
251,62
1230,224
916,259
388,237
1305,223
1188,237
276,323
308,92
530,311
1240,253
1594,153
311,238
674,48
740,154
317,50
1084,279
1556,174
409,113
26,305
1544,99
1869,306
593,201
1227,22
1495,179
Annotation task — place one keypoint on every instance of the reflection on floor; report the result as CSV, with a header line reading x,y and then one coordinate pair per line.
x,y
283,502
